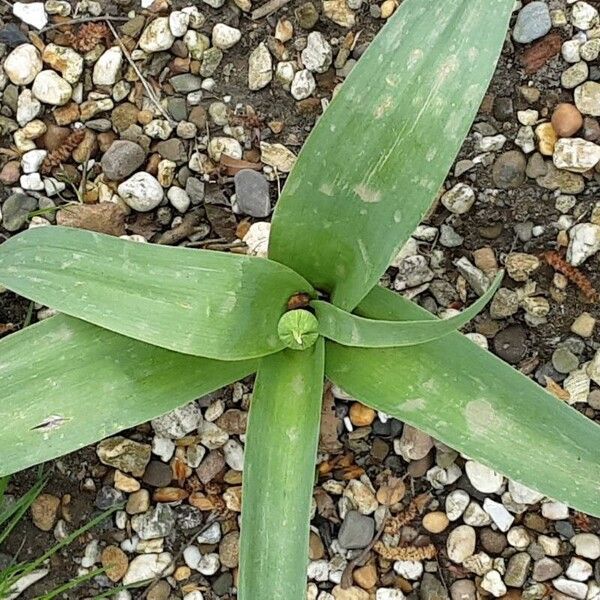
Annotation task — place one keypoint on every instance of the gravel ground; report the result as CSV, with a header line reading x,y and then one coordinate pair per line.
x,y
197,161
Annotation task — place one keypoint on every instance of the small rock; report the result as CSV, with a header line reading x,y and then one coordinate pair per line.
x,y
225,37
459,199
141,191
23,64
413,444
579,569
32,13
492,580
339,12
520,265
15,211
584,325
509,170
64,60
278,156
584,243
463,589
545,569
555,510
52,89
533,22
260,67
229,550
575,589
115,563
501,517
156,523
575,75
157,37
257,238
124,454
44,511
356,531
432,588
456,503
28,107
104,217
179,199
138,502
587,98
461,543
147,566
584,16
108,67
566,120
317,55
303,84
252,193
586,545
435,522
121,159
576,155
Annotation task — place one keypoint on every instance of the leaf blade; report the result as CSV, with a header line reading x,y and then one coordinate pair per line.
x,y
86,383
472,401
211,304
349,329
279,476
362,210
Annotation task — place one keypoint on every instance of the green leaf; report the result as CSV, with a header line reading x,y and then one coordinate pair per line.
x,y
67,384
212,304
472,401
351,330
378,156
279,468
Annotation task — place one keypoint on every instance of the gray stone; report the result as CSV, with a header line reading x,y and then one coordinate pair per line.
x,y
252,193
432,588
15,210
158,474
564,361
260,67
141,191
179,422
505,304
172,149
156,523
545,569
356,531
195,190
186,82
517,569
509,170
211,59
122,159
533,22
108,497
463,589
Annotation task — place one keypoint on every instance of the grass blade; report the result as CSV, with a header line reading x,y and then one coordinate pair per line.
x,y
67,384
211,304
351,330
472,401
279,467
402,113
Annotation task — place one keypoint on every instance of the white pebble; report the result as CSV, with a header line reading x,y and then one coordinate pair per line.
x,y
483,478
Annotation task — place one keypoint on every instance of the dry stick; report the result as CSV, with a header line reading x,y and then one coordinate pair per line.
x,y
146,85
269,7
81,20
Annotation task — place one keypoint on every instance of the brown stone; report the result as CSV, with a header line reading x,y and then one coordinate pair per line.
x,y
212,464
537,55
316,550
198,117
566,120
54,137
361,415
104,218
67,114
365,577
435,522
105,140
233,421
10,172
115,563
87,149
44,511
229,550
123,116
392,492
169,494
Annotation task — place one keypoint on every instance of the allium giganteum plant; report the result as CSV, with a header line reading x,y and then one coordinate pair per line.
x,y
147,328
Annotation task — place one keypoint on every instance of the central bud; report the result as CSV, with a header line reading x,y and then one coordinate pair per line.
x,y
298,329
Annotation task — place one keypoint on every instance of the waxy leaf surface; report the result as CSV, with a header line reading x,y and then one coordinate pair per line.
x,y
66,384
469,399
211,304
352,330
279,470
375,161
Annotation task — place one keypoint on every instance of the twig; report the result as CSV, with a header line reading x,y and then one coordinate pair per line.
x,y
146,85
80,20
202,243
269,7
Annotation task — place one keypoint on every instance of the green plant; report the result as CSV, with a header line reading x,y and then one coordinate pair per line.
x,y
150,328
14,575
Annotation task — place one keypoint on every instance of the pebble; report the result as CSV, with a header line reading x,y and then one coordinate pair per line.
x,y
576,155
179,422
555,510
501,517
584,243
64,60
492,583
483,478
28,107
257,238
545,569
456,503
566,120
141,191
587,98
233,452
533,22
44,511
260,68
575,75
584,325
409,569
303,84
278,156
459,199
147,566
124,454
584,16
157,37
475,516
224,36
23,64
121,159
435,522
179,199
579,569
115,563
586,545
229,550
522,494
32,13
432,588
389,594
350,593
51,88
108,67
179,22
356,531
461,543
575,589
509,170
138,502
156,523
15,211
317,55
463,589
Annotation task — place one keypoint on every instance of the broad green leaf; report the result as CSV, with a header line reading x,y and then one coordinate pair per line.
x,y
472,401
212,304
66,383
279,468
351,330
378,156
